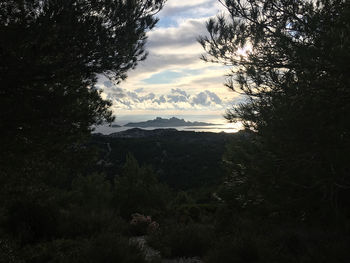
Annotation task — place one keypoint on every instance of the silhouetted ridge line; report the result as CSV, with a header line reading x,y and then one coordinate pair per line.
x,y
172,122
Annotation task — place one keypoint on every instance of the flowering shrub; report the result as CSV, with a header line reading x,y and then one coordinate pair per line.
x,y
141,224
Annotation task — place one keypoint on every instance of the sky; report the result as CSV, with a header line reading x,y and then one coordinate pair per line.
x,y
173,80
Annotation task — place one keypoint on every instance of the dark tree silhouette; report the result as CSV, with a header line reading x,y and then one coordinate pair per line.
x,y
50,54
295,82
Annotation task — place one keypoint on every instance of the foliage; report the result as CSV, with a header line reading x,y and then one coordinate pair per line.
x,y
244,238
137,190
51,53
294,80
182,160
142,225
178,240
234,250
105,247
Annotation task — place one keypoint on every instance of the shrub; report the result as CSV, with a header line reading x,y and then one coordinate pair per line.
x,y
235,250
109,248
141,224
183,240
106,247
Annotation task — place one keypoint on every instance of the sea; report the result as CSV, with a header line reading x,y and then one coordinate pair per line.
x,y
221,124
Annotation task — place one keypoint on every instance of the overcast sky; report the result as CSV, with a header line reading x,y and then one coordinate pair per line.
x,y
173,81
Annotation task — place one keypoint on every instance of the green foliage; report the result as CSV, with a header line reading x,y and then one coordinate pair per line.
x,y
111,248
87,209
182,160
234,250
250,237
295,85
287,173
105,247
182,198
51,53
180,240
138,190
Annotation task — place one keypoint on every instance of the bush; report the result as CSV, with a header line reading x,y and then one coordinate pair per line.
x,y
138,189
109,248
141,225
106,247
183,240
235,250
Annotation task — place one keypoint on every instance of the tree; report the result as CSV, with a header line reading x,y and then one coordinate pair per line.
x,y
51,52
289,59
137,190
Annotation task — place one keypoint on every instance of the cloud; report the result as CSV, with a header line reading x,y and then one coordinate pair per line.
x,y
213,97
173,77
159,100
179,91
184,35
139,90
201,99
175,11
175,99
206,98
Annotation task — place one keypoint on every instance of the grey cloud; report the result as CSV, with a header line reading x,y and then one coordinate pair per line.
x,y
176,10
131,99
201,99
206,98
177,98
133,95
177,90
160,100
184,35
150,96
210,80
139,90
213,97
107,83
155,62
117,92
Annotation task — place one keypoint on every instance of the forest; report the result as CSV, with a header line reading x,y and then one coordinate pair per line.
x,y
276,191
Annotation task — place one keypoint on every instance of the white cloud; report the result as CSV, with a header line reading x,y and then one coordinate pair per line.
x,y
173,47
176,99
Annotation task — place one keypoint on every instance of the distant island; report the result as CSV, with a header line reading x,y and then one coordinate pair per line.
x,y
172,122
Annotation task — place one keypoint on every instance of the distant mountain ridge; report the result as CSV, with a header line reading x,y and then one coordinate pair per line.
x,y
172,122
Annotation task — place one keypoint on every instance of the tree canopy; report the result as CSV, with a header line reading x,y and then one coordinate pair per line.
x,y
51,52
51,55
290,61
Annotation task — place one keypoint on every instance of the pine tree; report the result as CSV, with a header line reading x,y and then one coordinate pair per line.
x,y
51,53
290,61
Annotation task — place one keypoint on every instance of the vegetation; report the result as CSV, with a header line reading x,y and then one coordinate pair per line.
x,y
182,160
276,192
288,174
295,83
53,207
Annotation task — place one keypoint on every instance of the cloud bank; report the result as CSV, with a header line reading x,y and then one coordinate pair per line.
x,y
173,77
175,99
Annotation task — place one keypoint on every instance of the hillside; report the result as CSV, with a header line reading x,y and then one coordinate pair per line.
x,y
172,122
182,159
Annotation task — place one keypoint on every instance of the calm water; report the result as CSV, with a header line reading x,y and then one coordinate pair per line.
x,y
227,127
221,124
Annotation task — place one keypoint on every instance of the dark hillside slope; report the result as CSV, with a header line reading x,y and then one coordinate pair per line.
x,y
182,159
